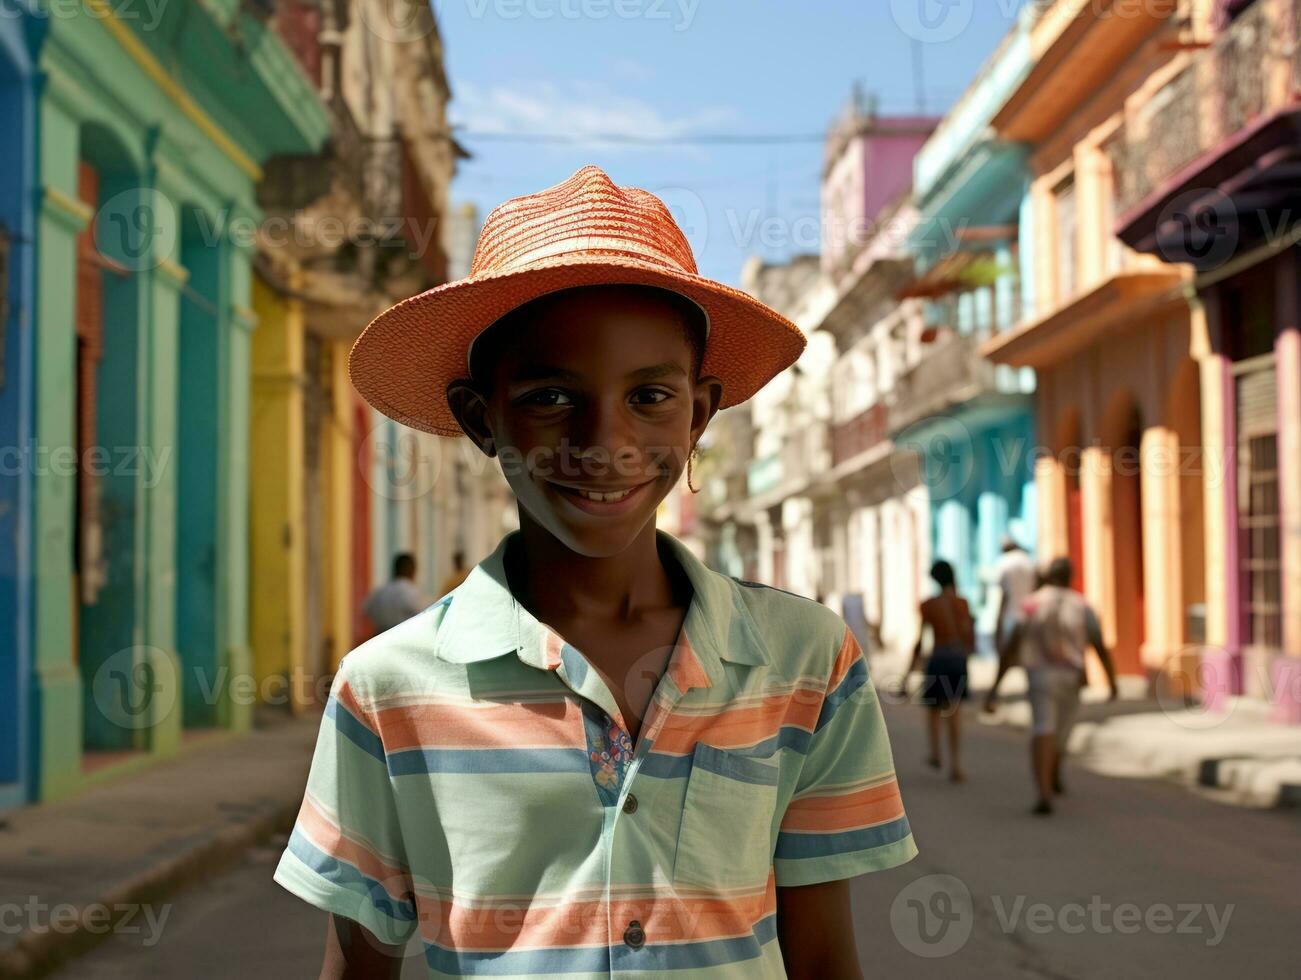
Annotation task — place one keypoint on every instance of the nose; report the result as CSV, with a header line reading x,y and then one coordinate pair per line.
x,y
606,442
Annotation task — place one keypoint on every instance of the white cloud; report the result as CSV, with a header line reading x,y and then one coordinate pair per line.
x,y
584,108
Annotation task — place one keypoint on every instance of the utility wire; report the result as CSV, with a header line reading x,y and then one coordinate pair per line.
x,y
631,138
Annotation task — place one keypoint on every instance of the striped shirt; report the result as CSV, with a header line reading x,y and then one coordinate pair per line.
x,y
472,783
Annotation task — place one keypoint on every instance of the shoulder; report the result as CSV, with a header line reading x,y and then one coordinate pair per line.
x,y
803,636
398,660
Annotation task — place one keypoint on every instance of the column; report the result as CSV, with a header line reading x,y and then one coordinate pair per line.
x,y
1287,346
55,679
1162,564
1052,539
1099,568
277,525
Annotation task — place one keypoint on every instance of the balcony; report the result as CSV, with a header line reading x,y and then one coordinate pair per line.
x,y
1250,69
951,373
763,474
862,433
804,456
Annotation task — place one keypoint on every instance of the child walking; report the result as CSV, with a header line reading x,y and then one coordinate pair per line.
x,y
595,754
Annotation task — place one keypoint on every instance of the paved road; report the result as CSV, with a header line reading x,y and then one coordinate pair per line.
x,y
1128,879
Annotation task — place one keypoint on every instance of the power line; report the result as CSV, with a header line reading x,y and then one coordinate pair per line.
x,y
632,138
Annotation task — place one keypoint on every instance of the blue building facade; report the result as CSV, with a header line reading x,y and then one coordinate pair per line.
x,y
974,425
19,38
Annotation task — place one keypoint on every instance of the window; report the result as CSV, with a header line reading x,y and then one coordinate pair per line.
x,y
1064,199
1259,527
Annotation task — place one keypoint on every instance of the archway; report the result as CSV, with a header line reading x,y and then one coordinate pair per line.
x,y
1185,421
200,363
1122,436
105,403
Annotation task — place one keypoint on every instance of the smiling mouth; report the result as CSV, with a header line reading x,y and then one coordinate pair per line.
x,y
598,501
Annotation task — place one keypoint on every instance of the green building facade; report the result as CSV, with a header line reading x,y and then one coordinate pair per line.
x,y
151,136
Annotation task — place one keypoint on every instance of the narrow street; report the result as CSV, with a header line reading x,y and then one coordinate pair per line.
x,y
1047,897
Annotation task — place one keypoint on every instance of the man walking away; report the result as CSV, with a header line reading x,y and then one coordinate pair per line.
x,y
1017,578
1057,626
398,599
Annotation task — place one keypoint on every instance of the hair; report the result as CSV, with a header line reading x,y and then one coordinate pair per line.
x,y
942,572
1060,571
404,565
492,340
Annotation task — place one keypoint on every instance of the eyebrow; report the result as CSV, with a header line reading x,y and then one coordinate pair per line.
x,y
548,372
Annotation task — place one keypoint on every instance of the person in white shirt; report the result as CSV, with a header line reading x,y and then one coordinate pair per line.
x,y
1017,578
1056,629
398,599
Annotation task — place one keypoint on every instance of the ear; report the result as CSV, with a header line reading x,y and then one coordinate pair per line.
x,y
707,397
471,411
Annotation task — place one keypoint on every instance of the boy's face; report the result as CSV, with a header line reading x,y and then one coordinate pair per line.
x,y
595,393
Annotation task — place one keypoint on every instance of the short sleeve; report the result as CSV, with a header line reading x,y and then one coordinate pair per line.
x,y
845,816
345,854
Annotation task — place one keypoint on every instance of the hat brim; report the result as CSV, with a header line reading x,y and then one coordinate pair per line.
x,y
406,357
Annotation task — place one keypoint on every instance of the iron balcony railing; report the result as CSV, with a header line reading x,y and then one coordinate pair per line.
x,y
1253,67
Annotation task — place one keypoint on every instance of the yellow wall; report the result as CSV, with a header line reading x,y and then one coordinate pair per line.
x,y
277,552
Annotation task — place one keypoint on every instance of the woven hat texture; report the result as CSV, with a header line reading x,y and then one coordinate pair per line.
x,y
583,231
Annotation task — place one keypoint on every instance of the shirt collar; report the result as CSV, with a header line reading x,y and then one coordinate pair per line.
x,y
484,621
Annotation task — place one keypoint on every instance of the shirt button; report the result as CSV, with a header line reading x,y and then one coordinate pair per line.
x,y
634,935
630,804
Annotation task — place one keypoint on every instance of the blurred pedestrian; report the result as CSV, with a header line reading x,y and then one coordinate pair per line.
x,y
944,688
458,573
1017,578
396,600
1057,626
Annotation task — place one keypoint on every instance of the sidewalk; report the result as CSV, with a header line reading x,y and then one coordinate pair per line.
x,y
1238,756
73,867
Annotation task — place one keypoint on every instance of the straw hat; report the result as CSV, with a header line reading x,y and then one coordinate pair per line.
x,y
583,231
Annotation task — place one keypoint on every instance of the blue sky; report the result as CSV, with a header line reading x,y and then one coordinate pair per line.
x,y
666,68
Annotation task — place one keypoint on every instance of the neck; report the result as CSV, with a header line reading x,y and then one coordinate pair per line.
x,y
558,585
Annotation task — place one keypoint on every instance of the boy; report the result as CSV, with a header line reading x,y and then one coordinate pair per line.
x,y
595,754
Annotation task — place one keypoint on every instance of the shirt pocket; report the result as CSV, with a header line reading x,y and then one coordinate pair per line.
x,y
725,838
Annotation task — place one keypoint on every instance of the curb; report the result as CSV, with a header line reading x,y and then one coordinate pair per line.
x,y
1234,775
38,952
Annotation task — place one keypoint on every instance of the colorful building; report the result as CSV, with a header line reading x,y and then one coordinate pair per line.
x,y
151,143
802,487
1109,333
971,423
18,38
1209,176
338,490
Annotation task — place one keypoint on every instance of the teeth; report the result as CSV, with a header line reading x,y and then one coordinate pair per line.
x,y
604,497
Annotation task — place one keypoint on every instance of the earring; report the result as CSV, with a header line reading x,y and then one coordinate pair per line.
x,y
689,459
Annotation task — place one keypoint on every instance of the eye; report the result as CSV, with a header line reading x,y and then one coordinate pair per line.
x,y
657,396
544,396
